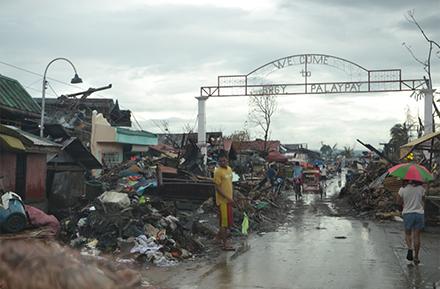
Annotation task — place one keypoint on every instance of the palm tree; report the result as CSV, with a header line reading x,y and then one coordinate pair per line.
x,y
347,152
400,134
327,151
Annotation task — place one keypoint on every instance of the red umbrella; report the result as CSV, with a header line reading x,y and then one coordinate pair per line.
x,y
411,172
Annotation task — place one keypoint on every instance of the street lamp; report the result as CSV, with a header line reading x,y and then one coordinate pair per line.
x,y
74,80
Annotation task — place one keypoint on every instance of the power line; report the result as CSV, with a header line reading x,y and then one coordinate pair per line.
x,y
40,75
76,87
19,68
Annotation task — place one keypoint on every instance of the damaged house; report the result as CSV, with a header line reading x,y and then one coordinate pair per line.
x,y
67,170
113,145
23,164
101,126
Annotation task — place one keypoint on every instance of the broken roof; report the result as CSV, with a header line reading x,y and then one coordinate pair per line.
x,y
32,142
78,153
425,142
258,145
164,148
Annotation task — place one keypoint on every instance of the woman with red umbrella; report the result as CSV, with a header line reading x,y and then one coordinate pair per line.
x,y
411,196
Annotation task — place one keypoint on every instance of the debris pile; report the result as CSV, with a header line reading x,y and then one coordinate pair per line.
x,y
113,221
373,192
139,220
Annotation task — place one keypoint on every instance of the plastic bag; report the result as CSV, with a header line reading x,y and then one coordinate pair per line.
x,y
399,219
245,224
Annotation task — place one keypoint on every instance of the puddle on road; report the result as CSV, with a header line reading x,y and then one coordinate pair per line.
x,y
243,248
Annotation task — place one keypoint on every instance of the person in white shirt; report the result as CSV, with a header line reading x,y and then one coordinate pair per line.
x,y
411,196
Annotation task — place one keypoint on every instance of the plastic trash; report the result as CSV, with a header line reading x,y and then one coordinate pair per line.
x,y
245,224
161,235
12,213
261,206
82,222
93,189
399,219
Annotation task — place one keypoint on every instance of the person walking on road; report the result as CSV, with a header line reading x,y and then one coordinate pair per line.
x,y
297,176
411,196
324,176
225,199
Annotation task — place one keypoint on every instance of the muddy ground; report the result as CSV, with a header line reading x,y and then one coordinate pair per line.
x,y
386,243
275,218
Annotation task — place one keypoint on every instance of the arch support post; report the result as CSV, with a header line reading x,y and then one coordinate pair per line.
x,y
201,127
429,95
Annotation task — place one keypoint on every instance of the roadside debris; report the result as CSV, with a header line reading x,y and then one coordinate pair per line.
x,y
372,192
148,213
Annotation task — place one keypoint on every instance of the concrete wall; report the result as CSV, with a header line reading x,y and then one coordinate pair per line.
x,y
103,139
108,139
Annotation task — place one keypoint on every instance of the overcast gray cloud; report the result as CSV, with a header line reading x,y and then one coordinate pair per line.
x,y
157,55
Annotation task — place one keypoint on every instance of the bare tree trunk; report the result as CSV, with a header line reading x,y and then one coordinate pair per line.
x,y
261,109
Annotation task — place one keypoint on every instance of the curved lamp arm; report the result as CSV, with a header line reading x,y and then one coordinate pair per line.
x,y
75,79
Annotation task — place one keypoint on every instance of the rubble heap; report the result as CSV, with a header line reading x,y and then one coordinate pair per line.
x,y
132,219
373,192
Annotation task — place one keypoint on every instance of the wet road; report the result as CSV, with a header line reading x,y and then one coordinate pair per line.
x,y
314,249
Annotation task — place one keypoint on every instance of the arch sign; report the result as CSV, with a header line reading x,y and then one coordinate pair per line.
x,y
358,79
270,79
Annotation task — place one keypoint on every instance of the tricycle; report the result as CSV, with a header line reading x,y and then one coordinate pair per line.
x,y
310,184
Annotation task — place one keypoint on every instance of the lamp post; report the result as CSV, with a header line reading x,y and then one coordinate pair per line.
x,y
74,80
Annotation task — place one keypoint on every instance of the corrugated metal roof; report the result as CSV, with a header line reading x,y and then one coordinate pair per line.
x,y
13,94
143,133
38,141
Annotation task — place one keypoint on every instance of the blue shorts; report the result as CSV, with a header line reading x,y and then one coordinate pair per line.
x,y
414,221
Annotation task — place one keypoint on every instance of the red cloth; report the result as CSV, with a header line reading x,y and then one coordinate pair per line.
x,y
317,172
40,219
230,215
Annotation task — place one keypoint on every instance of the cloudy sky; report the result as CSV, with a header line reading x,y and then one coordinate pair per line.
x,y
158,54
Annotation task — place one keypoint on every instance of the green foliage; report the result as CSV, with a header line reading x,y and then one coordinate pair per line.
x,y
327,151
400,135
348,152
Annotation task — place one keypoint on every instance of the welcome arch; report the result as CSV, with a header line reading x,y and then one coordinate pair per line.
x,y
358,80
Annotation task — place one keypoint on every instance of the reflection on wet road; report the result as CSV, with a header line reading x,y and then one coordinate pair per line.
x,y
317,251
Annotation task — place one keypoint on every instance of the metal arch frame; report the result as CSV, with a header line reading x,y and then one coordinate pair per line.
x,y
306,55
240,85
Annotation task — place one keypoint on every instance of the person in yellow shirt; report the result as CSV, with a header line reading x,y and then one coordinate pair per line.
x,y
225,199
